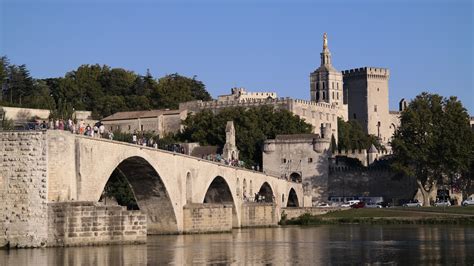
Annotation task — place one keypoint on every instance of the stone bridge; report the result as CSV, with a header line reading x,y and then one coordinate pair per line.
x,y
168,187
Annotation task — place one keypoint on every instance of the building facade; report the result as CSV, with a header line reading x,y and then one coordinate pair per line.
x,y
300,158
161,122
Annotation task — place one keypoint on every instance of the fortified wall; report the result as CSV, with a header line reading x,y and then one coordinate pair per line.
x,y
314,113
377,180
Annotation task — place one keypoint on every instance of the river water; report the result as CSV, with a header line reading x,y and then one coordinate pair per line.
x,y
321,245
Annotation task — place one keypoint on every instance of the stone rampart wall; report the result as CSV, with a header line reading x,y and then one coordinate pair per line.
x,y
258,214
374,182
205,218
86,223
296,212
23,189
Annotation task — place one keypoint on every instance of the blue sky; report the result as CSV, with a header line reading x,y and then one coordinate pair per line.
x,y
261,45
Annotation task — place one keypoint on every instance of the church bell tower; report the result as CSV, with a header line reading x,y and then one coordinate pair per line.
x,y
326,81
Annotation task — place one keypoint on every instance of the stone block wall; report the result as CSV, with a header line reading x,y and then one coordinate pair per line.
x,y
296,212
258,214
205,218
372,181
23,189
86,223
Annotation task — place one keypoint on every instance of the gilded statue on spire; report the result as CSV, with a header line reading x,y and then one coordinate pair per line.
x,y
325,40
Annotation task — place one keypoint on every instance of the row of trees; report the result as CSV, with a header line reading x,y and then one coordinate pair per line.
x,y
101,89
253,126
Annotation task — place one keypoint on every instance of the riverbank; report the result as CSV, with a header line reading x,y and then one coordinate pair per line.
x,y
428,215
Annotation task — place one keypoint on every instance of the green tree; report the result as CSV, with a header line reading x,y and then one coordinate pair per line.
x,y
352,136
174,89
253,126
434,143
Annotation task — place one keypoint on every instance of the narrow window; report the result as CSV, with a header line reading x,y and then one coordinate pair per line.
x,y
129,127
310,160
337,93
141,127
375,108
355,117
333,95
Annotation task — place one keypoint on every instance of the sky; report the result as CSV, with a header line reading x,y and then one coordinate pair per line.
x,y
261,45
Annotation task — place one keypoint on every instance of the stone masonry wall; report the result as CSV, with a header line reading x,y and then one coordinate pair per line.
x,y
372,181
258,214
23,189
205,218
86,223
296,212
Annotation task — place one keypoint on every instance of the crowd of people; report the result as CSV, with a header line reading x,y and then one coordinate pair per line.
x,y
97,130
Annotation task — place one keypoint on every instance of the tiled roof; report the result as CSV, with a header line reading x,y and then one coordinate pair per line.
x,y
139,114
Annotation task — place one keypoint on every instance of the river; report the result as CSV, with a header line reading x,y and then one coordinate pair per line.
x,y
320,245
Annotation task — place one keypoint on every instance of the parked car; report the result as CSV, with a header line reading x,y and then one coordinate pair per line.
x,y
468,201
384,204
412,203
372,205
324,205
358,205
350,203
440,203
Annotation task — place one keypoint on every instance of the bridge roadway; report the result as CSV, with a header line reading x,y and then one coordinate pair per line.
x,y
163,182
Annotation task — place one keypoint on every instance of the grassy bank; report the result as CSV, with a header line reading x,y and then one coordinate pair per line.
x,y
430,215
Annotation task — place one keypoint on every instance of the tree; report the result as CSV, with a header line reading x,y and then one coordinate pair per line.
x,y
253,126
352,136
174,89
434,143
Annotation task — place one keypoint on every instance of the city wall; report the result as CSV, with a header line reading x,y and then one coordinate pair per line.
x,y
378,181
291,213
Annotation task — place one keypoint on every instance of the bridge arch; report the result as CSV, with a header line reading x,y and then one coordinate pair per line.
x,y
267,192
292,199
150,193
219,192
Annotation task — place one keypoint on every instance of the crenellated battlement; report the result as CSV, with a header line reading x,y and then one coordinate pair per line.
x,y
369,72
253,102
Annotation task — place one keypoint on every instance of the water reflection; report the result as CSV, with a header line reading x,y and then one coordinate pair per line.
x,y
312,245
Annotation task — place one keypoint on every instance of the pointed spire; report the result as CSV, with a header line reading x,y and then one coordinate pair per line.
x,y
325,55
325,41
